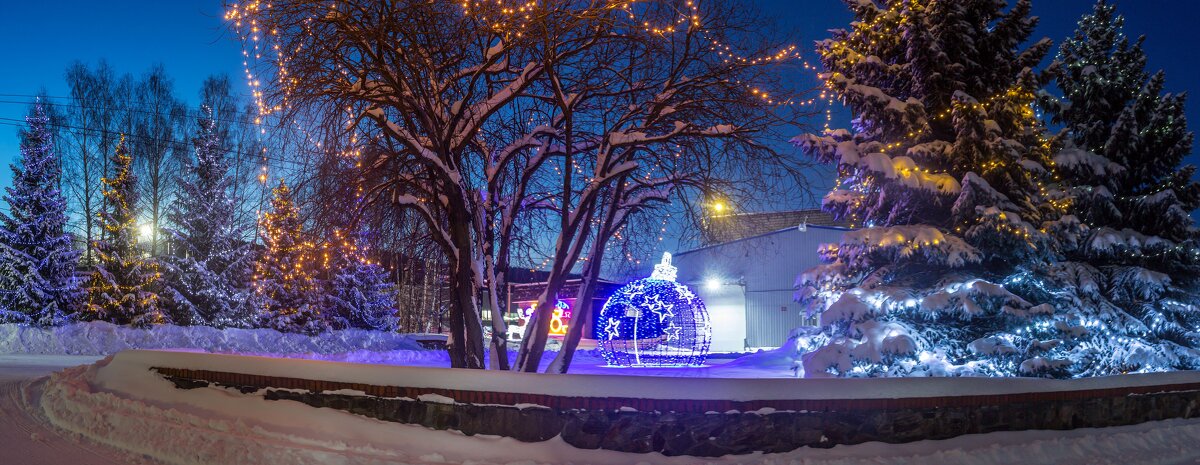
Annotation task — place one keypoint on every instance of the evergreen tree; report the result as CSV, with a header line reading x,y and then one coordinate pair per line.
x,y
205,274
286,287
1126,142
1131,275
122,288
946,171
37,259
360,293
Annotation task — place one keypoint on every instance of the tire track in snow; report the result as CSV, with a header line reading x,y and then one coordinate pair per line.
x,y
29,440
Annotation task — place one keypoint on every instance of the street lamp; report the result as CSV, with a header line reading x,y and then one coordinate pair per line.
x,y
146,231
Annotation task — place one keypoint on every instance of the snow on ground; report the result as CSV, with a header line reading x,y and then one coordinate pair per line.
x,y
618,382
24,367
26,438
101,338
126,406
122,413
359,346
585,362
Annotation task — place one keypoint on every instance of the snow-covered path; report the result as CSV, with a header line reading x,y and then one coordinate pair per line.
x,y
26,439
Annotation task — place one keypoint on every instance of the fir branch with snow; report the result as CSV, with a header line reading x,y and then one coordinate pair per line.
x,y
37,257
1127,141
359,293
946,170
286,289
205,277
123,286
1129,277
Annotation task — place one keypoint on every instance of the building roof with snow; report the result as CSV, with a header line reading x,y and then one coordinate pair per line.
x,y
732,227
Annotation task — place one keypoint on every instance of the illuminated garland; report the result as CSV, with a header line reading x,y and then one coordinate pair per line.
x,y
1016,103
359,291
120,290
37,258
285,281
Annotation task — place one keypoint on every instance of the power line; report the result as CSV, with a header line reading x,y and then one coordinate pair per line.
x,y
128,108
238,94
132,110
95,131
283,126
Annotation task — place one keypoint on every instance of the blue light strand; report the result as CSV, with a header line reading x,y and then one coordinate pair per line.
x,y
654,322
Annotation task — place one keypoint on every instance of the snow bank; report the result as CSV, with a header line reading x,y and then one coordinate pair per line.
x,y
354,346
101,338
125,406
617,384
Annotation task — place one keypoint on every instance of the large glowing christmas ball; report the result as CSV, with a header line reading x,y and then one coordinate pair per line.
x,y
654,322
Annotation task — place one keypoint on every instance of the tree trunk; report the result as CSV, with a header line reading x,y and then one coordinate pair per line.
x,y
499,340
495,265
582,313
538,331
473,328
570,245
154,218
466,331
89,208
455,342
587,286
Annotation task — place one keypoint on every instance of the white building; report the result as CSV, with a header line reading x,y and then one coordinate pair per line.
x,y
747,273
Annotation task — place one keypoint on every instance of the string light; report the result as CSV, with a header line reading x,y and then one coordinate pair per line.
x,y
507,20
654,322
120,290
284,274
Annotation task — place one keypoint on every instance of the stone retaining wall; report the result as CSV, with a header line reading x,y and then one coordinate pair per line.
x,y
713,428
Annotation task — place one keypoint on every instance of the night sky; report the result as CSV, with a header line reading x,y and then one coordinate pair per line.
x,y
189,38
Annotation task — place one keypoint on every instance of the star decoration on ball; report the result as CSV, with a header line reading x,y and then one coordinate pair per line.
x,y
614,328
672,332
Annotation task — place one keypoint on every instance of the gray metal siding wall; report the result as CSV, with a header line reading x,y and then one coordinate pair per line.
x,y
769,265
771,282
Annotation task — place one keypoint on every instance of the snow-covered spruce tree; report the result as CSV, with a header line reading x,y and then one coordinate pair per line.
x,y
945,172
122,289
359,292
286,289
1132,274
206,274
37,259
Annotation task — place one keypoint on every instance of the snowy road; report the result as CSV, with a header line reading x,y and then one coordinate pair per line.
x,y
26,439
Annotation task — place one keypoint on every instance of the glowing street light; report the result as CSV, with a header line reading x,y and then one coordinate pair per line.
x,y
146,231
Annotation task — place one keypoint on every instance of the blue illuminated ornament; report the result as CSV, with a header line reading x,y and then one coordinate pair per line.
x,y
654,322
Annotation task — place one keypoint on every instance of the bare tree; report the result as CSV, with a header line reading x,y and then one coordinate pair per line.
x,y
441,77
94,125
484,116
160,122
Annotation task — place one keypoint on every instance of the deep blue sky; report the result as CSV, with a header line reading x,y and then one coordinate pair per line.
x,y
42,37
188,37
